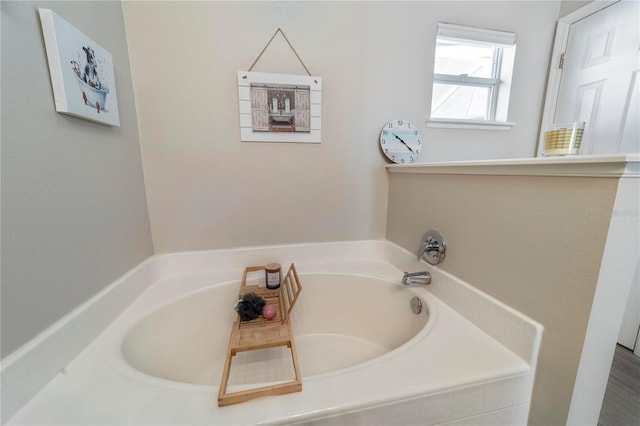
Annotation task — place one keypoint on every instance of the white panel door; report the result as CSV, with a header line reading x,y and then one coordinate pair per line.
x,y
599,83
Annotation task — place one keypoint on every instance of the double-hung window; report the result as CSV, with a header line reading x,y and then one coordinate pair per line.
x,y
471,77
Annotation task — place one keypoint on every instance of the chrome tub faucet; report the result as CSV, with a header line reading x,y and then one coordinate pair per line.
x,y
422,277
432,248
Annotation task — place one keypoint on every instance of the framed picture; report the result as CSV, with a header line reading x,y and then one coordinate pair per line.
x,y
81,72
279,107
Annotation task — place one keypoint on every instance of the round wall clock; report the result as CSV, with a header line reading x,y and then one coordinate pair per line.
x,y
400,141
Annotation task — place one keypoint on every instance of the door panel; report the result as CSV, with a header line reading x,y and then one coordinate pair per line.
x,y
588,104
599,79
302,116
630,124
259,109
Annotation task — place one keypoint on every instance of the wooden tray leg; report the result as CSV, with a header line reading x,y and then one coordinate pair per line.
x,y
227,368
225,398
294,356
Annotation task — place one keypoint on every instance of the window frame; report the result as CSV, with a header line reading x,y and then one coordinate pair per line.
x,y
473,36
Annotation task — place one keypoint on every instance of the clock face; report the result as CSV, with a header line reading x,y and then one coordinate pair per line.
x,y
400,141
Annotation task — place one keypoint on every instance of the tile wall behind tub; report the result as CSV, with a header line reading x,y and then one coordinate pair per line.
x,y
508,326
514,330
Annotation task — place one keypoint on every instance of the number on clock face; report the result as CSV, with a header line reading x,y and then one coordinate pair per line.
x,y
400,141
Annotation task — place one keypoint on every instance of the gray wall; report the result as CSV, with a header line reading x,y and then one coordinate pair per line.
x,y
568,6
74,210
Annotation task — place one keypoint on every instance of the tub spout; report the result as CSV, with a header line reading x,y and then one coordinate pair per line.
x,y
423,277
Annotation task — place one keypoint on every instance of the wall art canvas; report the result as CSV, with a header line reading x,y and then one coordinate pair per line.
x,y
81,72
279,107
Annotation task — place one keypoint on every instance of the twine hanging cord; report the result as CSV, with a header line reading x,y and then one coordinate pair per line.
x,y
290,46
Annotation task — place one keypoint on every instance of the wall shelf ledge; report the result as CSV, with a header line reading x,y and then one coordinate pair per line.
x,y
612,166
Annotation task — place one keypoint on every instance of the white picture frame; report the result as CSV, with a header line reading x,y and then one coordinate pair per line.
x,y
279,107
81,72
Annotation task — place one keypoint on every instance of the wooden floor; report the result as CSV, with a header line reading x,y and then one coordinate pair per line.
x,y
621,404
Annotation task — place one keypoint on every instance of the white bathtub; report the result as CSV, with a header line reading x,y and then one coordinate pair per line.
x,y
365,357
339,321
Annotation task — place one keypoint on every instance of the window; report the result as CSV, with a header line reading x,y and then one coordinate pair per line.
x,y
471,77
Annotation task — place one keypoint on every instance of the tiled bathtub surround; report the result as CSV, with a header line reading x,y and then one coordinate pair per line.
x,y
504,398
514,330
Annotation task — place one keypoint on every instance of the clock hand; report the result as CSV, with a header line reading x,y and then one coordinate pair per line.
x,y
405,144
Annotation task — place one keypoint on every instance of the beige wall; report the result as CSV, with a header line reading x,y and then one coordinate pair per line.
x,y
206,189
534,243
74,210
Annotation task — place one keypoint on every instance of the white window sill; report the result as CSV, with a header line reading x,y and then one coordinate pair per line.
x,y
445,123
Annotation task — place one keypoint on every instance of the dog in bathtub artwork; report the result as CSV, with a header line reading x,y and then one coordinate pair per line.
x,y
94,91
81,72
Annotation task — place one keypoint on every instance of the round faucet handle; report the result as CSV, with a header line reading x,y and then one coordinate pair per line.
x,y
433,247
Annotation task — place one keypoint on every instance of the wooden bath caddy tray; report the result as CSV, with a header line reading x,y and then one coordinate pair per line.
x,y
261,334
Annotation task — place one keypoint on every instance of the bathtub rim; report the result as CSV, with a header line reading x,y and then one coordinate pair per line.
x,y
28,370
125,368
